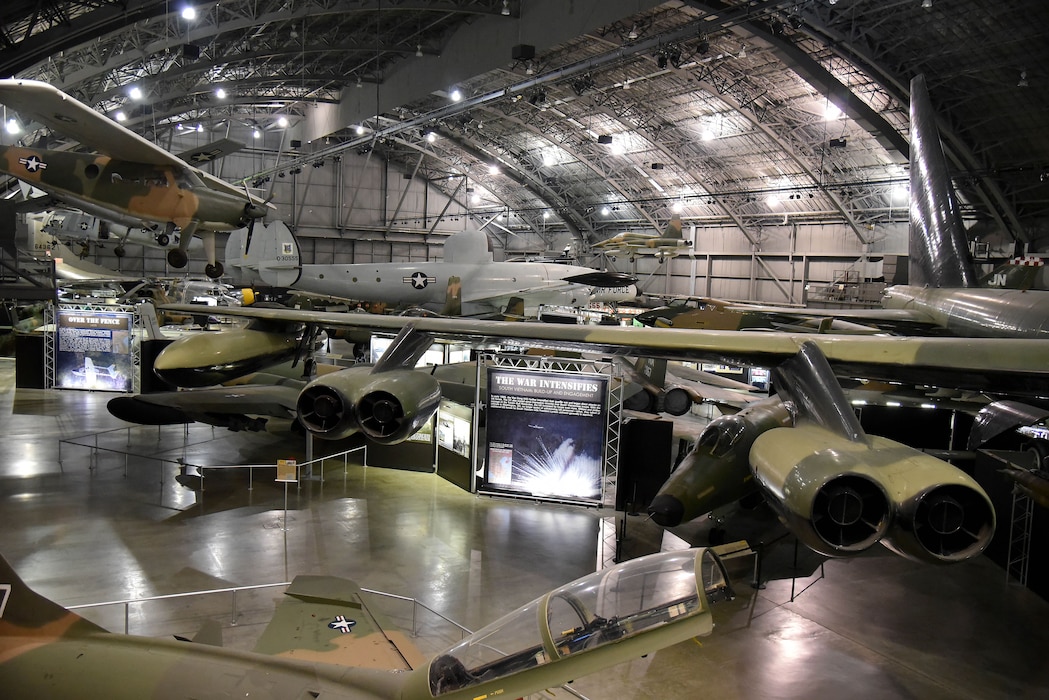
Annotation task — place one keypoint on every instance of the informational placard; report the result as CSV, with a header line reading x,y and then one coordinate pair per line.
x,y
287,470
93,350
546,433
453,431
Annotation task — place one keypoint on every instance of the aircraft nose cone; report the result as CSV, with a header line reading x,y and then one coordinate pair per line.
x,y
666,510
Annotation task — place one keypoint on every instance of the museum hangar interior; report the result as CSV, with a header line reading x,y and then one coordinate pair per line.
x,y
776,131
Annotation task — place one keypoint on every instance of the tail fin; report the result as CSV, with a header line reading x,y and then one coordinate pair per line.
x,y
453,298
266,253
25,613
673,229
939,254
515,309
1018,273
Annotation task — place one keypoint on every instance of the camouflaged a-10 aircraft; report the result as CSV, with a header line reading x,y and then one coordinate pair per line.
x,y
129,179
323,642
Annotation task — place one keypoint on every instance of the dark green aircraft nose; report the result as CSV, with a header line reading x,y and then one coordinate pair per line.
x,y
666,510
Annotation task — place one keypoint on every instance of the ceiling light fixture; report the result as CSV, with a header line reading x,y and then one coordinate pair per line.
x,y
419,50
360,83
633,33
256,134
220,93
506,8
135,92
927,4
456,95
121,117
360,129
189,13
1023,78
282,122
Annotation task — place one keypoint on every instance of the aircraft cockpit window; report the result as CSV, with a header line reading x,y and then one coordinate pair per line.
x,y
587,614
510,644
721,435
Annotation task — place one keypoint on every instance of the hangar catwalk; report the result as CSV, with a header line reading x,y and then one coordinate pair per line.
x,y
80,531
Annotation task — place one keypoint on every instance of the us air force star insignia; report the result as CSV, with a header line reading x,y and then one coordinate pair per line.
x,y
32,163
342,624
419,280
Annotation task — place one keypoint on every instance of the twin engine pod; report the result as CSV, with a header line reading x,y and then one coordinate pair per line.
x,y
386,406
841,496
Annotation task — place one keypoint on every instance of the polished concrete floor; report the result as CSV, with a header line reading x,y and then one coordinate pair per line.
x,y
100,526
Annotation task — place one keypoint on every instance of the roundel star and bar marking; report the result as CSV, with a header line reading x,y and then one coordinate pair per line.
x,y
419,280
33,164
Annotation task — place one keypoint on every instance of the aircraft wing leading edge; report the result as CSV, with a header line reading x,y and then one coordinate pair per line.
x,y
995,365
48,105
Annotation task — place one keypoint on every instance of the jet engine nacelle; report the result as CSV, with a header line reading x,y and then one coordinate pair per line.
x,y
841,496
826,488
942,514
386,406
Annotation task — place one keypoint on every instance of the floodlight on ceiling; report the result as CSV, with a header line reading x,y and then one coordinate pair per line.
x,y
1023,78
121,117
220,93
189,13
505,12
255,133
200,128
360,129
633,33
927,4
12,127
282,122
360,83
135,92
456,95
581,85
419,50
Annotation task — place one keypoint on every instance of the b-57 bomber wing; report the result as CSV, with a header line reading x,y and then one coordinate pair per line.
x,y
992,365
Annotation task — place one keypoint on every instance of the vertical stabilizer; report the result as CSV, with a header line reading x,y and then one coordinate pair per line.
x,y
266,253
673,229
939,254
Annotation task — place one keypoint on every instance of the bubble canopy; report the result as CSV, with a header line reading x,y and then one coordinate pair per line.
x,y
608,611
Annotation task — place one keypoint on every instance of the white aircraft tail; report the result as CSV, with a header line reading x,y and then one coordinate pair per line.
x,y
269,255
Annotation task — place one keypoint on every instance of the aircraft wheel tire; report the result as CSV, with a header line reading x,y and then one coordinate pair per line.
x,y
163,239
177,258
214,271
119,251
1040,450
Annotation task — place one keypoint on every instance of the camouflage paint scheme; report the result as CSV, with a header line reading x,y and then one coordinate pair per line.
x,y
131,180
47,651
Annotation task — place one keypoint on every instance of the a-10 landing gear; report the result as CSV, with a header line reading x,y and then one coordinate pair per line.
x,y
214,271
